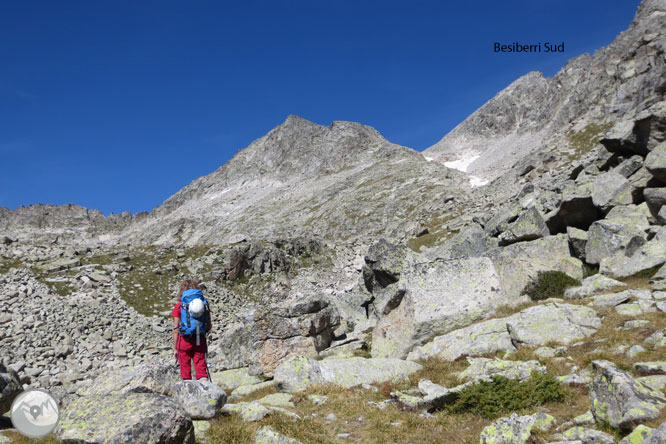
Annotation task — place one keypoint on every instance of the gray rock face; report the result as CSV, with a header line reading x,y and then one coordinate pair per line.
x,y
620,400
658,435
10,386
608,237
515,429
578,241
440,296
655,162
299,373
199,399
142,418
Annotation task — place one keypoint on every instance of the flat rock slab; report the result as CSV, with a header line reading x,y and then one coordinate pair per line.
x,y
232,379
650,255
515,429
611,299
299,373
621,400
137,418
484,369
200,399
277,400
533,326
248,411
592,285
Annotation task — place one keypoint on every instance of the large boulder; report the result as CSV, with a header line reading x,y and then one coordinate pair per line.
x,y
592,285
199,399
533,326
650,255
615,234
529,226
299,373
658,435
515,429
383,264
267,336
135,418
519,264
10,386
611,189
471,241
439,296
620,400
153,377
655,162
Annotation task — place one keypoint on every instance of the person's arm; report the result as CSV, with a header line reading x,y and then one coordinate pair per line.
x,y
176,323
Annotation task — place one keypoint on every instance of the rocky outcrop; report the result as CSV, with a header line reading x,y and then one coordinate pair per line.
x,y
10,386
515,429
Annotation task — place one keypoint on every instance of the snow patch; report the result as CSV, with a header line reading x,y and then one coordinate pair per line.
x,y
463,163
477,181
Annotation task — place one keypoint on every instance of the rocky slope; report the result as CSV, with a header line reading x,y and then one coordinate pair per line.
x,y
553,276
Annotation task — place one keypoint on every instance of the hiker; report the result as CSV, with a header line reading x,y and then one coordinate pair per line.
x,y
191,322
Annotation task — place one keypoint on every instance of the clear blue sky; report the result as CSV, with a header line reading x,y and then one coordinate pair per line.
x,y
116,105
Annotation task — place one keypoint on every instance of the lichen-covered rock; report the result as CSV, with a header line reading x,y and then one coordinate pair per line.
x,y
658,435
248,411
563,323
650,255
515,429
277,400
611,189
199,399
638,435
529,226
383,264
232,379
135,418
655,198
611,299
620,400
408,402
484,368
299,373
592,285
587,436
436,395
245,390
10,386
440,296
154,377
266,435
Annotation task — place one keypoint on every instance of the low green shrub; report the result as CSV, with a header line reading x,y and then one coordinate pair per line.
x,y
491,399
550,284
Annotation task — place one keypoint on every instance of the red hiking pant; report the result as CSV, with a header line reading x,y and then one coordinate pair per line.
x,y
188,351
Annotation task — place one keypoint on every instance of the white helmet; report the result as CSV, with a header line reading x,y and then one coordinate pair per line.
x,y
196,307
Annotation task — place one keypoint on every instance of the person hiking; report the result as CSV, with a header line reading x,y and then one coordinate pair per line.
x,y
191,322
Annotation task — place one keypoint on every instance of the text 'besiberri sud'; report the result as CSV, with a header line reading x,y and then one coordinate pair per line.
x,y
517,47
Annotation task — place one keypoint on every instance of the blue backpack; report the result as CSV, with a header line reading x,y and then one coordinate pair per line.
x,y
191,325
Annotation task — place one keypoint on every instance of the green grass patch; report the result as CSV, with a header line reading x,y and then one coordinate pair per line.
x,y
8,264
583,141
550,284
491,399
